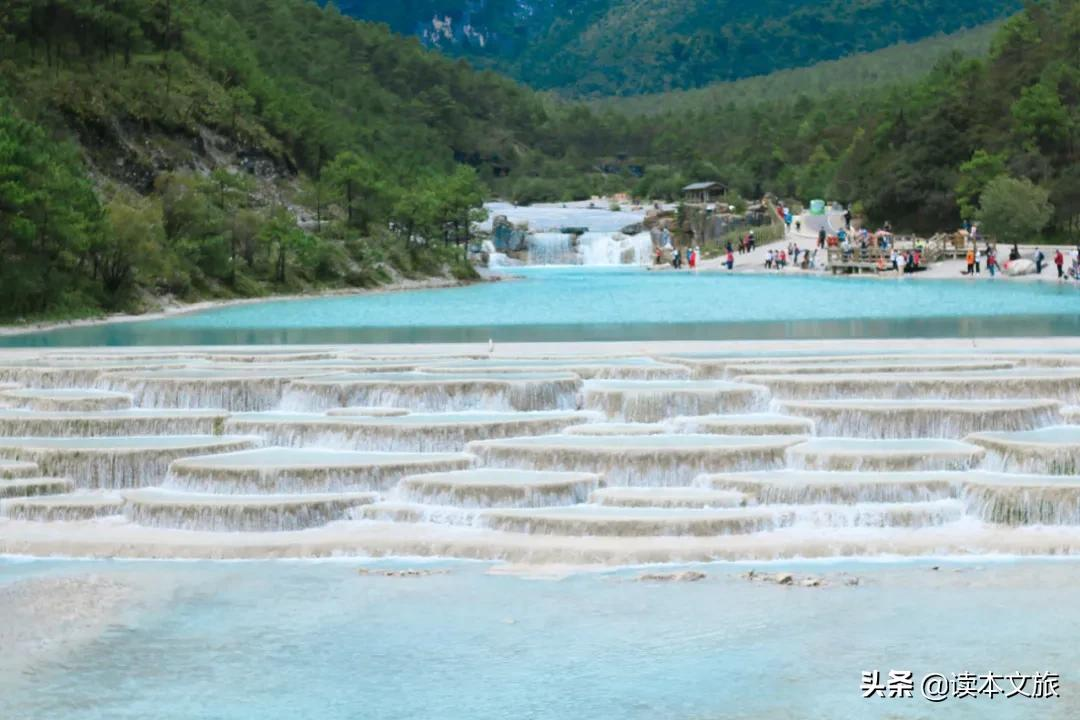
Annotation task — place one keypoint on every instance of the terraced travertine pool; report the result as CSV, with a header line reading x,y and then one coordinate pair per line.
x,y
941,476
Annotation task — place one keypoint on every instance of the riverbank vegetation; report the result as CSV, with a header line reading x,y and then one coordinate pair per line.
x,y
221,148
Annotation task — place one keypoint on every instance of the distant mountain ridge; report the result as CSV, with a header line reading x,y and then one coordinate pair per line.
x,y
629,47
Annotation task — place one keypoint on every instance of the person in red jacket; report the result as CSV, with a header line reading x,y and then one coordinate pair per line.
x,y
1059,260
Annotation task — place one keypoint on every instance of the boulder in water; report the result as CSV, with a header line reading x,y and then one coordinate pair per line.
x,y
409,573
686,576
1022,266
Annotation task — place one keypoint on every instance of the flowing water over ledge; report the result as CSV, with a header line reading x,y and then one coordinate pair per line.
x,y
280,641
564,455
573,304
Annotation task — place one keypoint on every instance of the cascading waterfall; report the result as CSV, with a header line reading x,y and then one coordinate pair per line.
x,y
838,488
207,390
645,401
62,508
550,248
18,423
116,462
1020,500
436,393
32,487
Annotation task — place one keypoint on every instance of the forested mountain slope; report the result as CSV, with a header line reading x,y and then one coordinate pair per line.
x,y
623,47
207,148
170,145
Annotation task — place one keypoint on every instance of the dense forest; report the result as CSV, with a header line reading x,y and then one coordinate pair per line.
x,y
168,146
218,148
603,48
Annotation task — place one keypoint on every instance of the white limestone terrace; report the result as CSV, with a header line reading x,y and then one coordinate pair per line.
x,y
1051,450
921,418
849,454
614,428
637,460
34,486
651,401
435,392
238,513
16,469
236,389
297,470
64,399
1051,383
625,368
418,432
744,424
135,421
115,462
568,453
490,488
719,365
367,411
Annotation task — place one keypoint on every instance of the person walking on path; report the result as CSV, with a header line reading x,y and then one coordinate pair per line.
x,y
1039,258
1059,260
970,261
991,263
730,260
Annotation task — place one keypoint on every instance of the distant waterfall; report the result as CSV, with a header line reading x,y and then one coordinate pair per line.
x,y
615,249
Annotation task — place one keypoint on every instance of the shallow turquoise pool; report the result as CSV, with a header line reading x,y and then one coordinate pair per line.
x,y
574,303
266,640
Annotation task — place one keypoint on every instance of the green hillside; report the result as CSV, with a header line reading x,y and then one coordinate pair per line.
x,y
852,76
625,47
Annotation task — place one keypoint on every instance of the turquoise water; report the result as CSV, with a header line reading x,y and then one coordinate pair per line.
x,y
552,304
263,641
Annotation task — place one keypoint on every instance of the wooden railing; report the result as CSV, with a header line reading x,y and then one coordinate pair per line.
x,y
874,257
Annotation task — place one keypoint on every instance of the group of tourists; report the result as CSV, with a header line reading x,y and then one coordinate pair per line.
x,y
793,254
977,257
903,261
746,244
692,257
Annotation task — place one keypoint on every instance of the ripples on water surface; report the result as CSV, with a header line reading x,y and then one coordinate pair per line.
x,y
246,641
566,304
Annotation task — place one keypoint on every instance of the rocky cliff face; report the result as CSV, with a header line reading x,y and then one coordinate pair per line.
x,y
464,27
